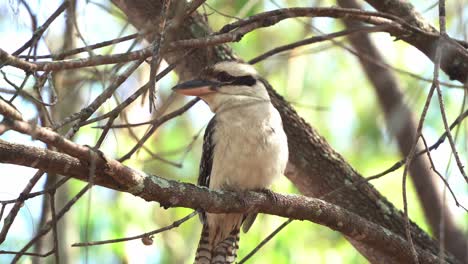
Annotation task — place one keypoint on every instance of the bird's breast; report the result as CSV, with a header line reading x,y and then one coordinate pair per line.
x,y
248,154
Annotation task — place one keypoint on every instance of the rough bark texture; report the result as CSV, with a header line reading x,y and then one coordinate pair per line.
x,y
314,167
402,124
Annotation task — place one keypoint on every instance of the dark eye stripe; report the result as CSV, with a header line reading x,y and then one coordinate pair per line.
x,y
228,79
246,80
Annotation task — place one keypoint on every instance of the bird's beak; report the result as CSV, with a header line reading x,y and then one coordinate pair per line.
x,y
196,87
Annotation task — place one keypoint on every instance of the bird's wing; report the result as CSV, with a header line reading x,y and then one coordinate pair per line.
x,y
207,156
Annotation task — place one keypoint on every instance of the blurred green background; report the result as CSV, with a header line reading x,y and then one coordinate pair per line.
x,y
325,84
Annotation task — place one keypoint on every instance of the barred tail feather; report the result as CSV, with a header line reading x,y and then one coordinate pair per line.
x,y
223,252
203,255
226,250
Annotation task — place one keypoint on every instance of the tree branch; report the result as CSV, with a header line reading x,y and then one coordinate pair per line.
x,y
171,193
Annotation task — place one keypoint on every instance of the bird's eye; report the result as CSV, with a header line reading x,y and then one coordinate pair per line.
x,y
224,77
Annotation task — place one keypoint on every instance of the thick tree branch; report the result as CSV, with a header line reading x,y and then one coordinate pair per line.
x,y
171,193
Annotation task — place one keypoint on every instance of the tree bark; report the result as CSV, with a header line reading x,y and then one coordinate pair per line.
x,y
314,167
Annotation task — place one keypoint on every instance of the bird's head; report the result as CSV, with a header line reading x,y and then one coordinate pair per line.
x,y
227,83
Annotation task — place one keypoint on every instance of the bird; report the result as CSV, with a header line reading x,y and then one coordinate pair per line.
x,y
244,148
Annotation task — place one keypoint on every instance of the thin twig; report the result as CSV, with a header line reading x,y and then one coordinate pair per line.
x,y
69,53
156,58
31,15
185,150
265,240
157,123
402,162
444,35
47,228
86,112
413,150
17,206
34,194
144,235
28,253
54,226
19,89
442,225
193,6
135,95
8,110
316,39
449,134
156,120
40,30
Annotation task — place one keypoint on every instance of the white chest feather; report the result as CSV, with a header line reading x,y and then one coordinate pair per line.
x,y
250,148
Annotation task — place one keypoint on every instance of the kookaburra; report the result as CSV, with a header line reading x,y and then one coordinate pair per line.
x,y
244,148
